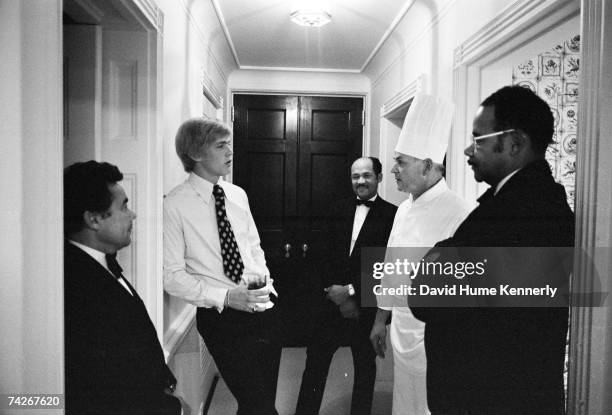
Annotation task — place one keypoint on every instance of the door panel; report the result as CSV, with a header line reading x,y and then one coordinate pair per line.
x,y
265,146
292,157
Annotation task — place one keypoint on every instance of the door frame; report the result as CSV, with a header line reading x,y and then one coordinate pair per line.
x,y
33,313
145,252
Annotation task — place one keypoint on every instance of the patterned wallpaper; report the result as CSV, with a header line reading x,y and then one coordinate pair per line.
x,y
553,75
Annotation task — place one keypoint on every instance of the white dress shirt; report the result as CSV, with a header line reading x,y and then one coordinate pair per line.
x,y
100,258
503,181
361,212
193,267
433,217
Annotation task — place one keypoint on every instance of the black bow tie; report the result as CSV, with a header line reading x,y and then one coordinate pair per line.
x,y
368,203
113,265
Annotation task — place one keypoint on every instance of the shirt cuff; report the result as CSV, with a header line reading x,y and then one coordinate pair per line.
x,y
217,298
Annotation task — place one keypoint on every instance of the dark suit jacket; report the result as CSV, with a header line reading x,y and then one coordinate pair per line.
x,y
114,362
502,360
341,268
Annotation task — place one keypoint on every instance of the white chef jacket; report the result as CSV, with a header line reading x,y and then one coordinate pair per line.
x,y
433,217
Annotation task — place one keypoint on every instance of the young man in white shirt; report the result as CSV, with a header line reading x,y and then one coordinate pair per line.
x,y
211,253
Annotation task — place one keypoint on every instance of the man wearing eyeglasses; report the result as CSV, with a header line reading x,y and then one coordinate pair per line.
x,y
504,360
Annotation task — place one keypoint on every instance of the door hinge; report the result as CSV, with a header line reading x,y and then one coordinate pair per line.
x,y
363,117
232,113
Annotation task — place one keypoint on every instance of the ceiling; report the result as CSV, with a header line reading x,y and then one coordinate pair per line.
x,y
262,35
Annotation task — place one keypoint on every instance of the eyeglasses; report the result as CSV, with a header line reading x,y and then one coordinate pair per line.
x,y
475,140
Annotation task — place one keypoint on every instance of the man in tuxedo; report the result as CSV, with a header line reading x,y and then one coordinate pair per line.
x,y
356,222
114,362
495,360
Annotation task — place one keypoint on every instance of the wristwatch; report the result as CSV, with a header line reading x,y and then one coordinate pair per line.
x,y
351,290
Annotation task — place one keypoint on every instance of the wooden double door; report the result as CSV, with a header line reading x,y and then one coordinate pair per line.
x,y
292,155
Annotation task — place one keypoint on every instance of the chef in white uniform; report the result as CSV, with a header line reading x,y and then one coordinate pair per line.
x,y
431,213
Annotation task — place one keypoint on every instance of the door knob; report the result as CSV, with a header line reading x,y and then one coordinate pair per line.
x,y
304,249
287,250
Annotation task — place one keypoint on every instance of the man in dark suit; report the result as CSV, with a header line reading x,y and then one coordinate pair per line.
x,y
114,362
497,360
364,221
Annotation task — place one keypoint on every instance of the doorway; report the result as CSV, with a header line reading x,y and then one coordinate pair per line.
x,y
292,157
110,99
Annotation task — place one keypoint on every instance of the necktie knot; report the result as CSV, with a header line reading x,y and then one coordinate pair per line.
x,y
368,203
113,265
218,192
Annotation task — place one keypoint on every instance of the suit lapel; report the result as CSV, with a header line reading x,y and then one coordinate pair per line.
x,y
100,274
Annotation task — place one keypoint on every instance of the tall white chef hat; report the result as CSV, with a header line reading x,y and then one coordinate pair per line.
x,y
426,129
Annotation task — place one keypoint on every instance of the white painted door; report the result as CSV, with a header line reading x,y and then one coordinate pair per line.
x,y
130,141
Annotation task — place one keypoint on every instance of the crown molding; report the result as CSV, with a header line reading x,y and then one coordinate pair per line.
x,y
293,69
388,32
511,21
404,95
226,32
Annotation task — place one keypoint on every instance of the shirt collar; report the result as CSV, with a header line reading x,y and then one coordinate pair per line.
x,y
504,181
433,192
202,186
373,198
94,253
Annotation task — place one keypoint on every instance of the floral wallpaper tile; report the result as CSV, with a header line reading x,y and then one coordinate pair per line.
x,y
553,75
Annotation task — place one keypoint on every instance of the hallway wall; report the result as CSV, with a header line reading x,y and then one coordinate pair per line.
x,y
194,49
194,52
31,247
423,44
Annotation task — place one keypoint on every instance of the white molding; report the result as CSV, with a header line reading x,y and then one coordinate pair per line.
x,y
404,95
590,327
505,26
401,98
522,21
388,32
435,20
295,69
146,13
210,91
284,91
206,360
98,107
123,89
226,32
152,12
91,9
130,186
204,40
178,329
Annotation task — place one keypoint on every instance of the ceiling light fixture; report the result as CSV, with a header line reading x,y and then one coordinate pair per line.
x,y
310,17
